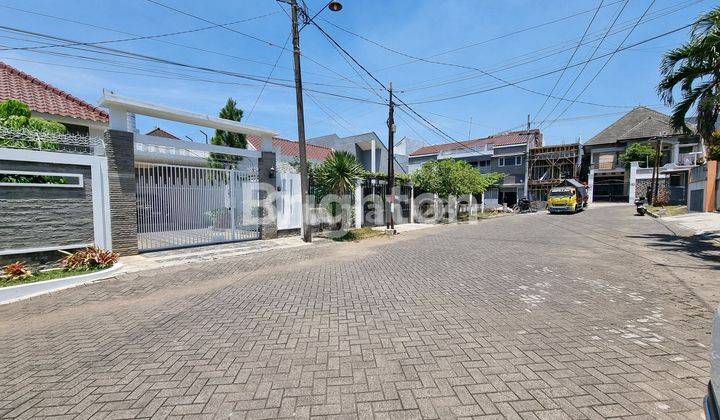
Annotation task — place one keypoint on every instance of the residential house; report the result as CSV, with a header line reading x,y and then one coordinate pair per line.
x,y
289,151
48,102
611,179
367,148
505,153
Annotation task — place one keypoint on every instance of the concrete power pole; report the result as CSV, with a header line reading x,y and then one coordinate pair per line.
x,y
390,222
304,182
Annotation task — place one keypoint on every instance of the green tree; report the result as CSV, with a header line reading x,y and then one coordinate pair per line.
x,y
639,152
16,115
13,107
450,177
694,67
225,138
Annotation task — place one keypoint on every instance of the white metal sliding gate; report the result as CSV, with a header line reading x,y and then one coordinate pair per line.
x,y
181,206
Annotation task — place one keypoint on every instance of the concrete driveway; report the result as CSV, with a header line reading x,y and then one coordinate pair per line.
x,y
593,315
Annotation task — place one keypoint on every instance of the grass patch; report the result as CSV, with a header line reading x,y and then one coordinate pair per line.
x,y
359,234
46,275
668,210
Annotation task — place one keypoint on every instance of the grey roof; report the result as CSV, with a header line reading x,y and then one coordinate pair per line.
x,y
324,139
332,139
640,123
363,137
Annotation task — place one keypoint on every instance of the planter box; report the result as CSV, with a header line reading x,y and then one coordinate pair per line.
x,y
24,291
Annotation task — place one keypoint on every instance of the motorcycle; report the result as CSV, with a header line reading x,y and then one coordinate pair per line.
x,y
640,207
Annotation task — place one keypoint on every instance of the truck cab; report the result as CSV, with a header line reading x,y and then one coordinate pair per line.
x,y
565,200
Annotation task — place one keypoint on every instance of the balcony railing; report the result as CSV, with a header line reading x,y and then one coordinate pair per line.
x,y
688,159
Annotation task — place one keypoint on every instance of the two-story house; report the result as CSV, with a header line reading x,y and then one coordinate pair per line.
x,y
369,150
505,153
611,179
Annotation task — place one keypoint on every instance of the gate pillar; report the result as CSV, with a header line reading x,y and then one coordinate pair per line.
x,y
267,167
120,152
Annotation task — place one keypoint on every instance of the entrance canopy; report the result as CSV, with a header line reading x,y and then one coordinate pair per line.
x,y
122,117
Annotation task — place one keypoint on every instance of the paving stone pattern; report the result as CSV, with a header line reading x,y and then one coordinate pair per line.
x,y
530,317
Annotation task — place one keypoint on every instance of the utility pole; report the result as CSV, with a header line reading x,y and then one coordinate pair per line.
x,y
656,170
528,122
304,182
391,158
333,6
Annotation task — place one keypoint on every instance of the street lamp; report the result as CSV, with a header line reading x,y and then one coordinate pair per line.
x,y
304,184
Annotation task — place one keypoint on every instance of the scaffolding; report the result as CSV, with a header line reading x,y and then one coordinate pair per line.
x,y
548,166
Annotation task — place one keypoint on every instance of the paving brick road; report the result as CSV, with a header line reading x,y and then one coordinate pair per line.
x,y
594,315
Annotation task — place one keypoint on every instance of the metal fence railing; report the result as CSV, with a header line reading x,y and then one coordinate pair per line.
x,y
21,138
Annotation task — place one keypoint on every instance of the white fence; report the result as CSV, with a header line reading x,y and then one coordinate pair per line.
x,y
180,206
288,202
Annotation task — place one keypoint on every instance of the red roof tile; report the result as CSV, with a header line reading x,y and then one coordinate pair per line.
x,y
291,148
503,139
159,132
42,97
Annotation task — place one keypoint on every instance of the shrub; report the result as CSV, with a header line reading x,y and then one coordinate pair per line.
x,y
16,271
89,259
663,197
13,107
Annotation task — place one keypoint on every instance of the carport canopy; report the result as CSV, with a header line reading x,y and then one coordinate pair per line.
x,y
121,107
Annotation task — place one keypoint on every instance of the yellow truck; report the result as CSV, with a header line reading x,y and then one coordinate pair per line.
x,y
567,199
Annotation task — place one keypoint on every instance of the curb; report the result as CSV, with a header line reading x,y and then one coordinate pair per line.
x,y
651,214
20,292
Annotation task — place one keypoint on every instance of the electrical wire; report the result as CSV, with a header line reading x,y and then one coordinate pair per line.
x,y
547,73
582,38
506,35
595,50
105,28
619,48
257,99
269,43
143,57
555,49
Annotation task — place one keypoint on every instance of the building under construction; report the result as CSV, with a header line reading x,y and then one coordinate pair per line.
x,y
548,166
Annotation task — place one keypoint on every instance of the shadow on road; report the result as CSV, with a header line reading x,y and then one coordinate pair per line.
x,y
704,247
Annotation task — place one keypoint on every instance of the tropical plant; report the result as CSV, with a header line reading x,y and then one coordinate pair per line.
x,y
88,259
16,271
450,177
226,138
694,67
639,152
337,174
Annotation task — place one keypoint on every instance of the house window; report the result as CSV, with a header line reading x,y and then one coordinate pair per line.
x,y
483,163
606,161
510,161
686,149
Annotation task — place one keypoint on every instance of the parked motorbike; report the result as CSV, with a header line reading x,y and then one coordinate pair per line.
x,y
640,207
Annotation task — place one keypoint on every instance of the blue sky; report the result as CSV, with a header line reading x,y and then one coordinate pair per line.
x,y
413,27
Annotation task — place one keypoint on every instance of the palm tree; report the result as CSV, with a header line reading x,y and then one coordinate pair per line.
x,y
337,175
695,68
